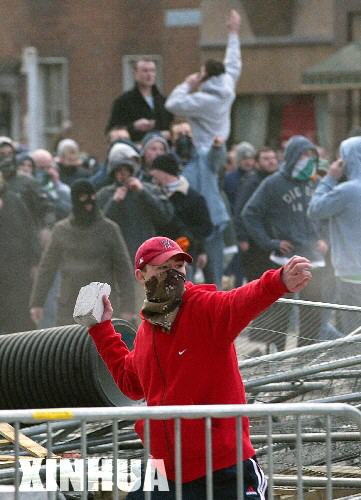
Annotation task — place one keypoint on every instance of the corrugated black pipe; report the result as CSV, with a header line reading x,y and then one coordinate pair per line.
x,y
57,367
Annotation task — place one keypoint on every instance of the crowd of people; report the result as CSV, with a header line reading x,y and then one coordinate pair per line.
x,y
171,205
66,221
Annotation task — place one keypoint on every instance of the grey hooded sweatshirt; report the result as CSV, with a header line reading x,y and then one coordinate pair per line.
x,y
208,109
340,204
277,210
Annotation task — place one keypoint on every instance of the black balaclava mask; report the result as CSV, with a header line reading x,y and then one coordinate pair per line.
x,y
82,194
163,298
184,148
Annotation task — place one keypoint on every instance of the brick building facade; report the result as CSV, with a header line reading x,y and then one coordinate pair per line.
x,y
66,60
81,62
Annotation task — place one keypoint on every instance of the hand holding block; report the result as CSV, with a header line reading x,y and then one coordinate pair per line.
x,y
89,305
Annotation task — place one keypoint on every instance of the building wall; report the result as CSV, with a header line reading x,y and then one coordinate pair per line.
x,y
268,69
180,46
95,36
89,38
272,64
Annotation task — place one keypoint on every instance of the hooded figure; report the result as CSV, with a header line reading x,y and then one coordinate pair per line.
x,y
120,151
36,200
153,145
137,207
339,203
276,219
83,247
25,164
277,211
83,198
119,148
208,108
7,148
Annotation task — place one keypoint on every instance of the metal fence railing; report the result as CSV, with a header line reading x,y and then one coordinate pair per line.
x,y
285,429
318,370
291,323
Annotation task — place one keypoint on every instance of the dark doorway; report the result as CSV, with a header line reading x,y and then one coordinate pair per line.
x,y
5,114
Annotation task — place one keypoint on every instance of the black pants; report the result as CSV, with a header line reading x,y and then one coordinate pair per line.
x,y
224,485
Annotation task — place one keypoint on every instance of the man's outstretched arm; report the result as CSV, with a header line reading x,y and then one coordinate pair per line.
x,y
238,307
232,59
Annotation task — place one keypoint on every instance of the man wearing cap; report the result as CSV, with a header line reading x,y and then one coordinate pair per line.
x,y
191,222
119,147
153,145
184,355
233,183
7,148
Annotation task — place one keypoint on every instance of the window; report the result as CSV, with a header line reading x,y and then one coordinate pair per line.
x,y
355,27
53,76
10,115
275,19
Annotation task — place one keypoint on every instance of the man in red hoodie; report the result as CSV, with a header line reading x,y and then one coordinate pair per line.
x,y
184,355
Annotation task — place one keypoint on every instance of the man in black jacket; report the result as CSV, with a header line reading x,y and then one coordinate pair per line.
x,y
142,108
19,254
254,258
191,222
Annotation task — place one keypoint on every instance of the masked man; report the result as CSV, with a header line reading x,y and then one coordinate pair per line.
x,y
84,247
201,169
184,354
275,217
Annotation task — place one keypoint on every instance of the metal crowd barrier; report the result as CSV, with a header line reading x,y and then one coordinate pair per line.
x,y
296,415
293,323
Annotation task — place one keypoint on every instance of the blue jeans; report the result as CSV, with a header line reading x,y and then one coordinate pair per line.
x,y
224,485
349,294
213,247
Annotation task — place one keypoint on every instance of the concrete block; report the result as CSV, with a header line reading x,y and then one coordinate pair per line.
x,y
89,306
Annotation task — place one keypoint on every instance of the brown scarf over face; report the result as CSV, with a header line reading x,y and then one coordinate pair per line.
x,y
163,298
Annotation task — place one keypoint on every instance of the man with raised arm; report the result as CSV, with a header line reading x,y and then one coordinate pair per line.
x,y
206,97
184,355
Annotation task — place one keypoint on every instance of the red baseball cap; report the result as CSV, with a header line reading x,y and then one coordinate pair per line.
x,y
158,250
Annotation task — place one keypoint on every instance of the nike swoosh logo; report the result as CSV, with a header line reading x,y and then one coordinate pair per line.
x,y
182,352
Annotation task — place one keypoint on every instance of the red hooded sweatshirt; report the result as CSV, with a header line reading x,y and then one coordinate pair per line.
x,y
193,364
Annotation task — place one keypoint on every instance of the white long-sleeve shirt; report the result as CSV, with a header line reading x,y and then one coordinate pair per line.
x,y
208,109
